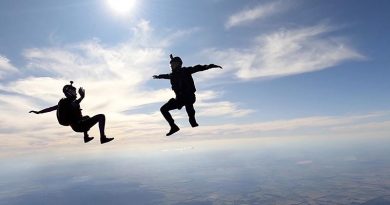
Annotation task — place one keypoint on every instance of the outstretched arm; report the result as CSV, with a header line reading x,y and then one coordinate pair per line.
x,y
198,68
162,76
214,66
49,109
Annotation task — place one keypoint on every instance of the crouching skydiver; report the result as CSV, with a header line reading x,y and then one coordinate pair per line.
x,y
69,114
184,88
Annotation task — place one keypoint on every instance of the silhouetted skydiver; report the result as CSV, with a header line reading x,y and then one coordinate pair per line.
x,y
184,88
69,113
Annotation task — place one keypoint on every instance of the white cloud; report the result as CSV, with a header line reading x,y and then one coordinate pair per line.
x,y
258,12
93,61
287,52
6,67
116,82
222,108
380,127
367,125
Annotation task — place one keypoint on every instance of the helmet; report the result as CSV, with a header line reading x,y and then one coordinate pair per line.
x,y
175,59
69,90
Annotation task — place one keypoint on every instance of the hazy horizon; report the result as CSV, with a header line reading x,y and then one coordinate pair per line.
x,y
299,114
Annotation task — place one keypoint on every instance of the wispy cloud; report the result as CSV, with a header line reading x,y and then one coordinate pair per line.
x,y
288,52
6,67
116,81
224,108
367,125
258,12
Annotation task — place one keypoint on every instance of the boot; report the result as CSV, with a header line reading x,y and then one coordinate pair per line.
x,y
174,128
87,138
105,139
193,122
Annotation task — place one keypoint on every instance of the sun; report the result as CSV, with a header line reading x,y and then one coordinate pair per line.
x,y
121,7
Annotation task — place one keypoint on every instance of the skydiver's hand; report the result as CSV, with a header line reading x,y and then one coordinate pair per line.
x,y
156,77
33,111
82,92
215,66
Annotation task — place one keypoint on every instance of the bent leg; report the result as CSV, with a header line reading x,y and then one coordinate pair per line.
x,y
190,100
191,115
170,105
102,122
85,124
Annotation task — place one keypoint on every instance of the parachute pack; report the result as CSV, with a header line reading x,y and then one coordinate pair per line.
x,y
64,112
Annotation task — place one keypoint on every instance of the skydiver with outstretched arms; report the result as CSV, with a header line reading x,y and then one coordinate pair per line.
x,y
184,88
69,114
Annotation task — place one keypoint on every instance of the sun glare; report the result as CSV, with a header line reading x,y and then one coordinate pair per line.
x,y
122,7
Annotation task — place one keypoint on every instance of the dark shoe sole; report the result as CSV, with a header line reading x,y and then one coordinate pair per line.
x,y
195,125
105,140
86,140
172,131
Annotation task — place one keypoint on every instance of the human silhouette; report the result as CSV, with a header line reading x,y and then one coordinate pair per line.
x,y
69,114
184,88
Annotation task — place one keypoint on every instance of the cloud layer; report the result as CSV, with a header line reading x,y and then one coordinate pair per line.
x,y
117,83
374,124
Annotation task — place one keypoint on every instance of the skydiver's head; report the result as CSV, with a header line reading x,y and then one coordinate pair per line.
x,y
175,62
70,91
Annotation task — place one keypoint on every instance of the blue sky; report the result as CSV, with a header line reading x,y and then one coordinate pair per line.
x,y
291,68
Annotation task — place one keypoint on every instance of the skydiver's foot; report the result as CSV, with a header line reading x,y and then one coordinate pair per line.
x,y
105,139
193,123
174,129
87,139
